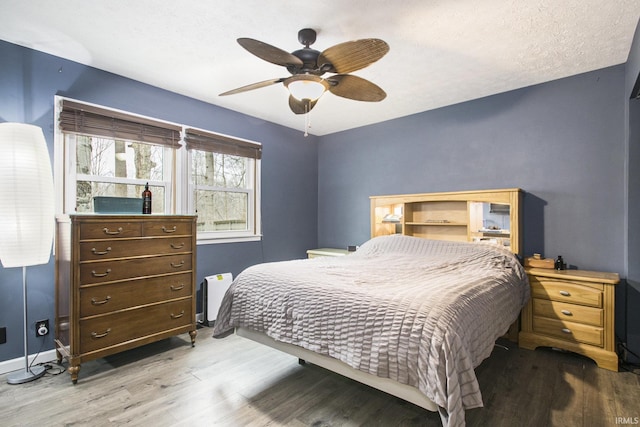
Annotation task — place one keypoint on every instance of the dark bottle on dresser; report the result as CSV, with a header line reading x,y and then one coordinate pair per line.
x,y
559,263
146,200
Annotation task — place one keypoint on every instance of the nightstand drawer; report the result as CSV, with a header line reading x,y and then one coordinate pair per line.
x,y
569,312
569,331
566,291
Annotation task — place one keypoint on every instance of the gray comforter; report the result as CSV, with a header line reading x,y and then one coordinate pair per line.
x,y
421,312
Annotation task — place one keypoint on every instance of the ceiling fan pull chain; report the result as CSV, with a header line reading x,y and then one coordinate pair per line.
x,y
307,120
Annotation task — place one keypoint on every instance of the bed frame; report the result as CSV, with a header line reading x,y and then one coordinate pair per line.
x,y
394,388
455,216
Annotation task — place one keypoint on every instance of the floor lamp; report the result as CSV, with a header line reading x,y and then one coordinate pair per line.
x,y
26,213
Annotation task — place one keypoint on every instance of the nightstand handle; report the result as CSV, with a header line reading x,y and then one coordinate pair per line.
x,y
177,264
177,246
565,293
166,230
566,313
177,288
566,331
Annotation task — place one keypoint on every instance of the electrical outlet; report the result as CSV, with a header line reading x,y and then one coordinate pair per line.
x,y
42,328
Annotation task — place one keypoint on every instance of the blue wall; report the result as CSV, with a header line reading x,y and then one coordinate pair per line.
x,y
562,142
28,82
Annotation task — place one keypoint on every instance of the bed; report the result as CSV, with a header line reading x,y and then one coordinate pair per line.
x,y
411,316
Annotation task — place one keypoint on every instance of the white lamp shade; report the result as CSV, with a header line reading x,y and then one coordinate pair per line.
x,y
26,196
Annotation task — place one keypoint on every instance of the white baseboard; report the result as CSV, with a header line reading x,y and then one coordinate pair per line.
x,y
16,364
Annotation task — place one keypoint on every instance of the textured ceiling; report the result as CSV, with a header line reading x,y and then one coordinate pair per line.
x,y
442,52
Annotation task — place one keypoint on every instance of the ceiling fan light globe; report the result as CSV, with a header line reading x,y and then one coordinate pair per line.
x,y
306,87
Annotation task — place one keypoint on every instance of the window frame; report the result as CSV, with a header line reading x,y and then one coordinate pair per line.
x,y
254,224
178,190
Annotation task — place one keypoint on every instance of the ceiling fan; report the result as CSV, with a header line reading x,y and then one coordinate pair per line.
x,y
307,65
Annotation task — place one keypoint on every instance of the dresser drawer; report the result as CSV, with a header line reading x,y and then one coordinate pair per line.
x,y
167,228
110,229
103,331
105,249
567,291
100,299
570,312
108,271
569,331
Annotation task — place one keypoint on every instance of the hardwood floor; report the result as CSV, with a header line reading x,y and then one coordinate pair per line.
x,y
235,382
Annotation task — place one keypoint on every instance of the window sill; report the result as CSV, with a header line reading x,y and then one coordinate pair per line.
x,y
237,239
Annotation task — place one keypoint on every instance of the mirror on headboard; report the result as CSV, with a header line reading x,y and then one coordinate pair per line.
x,y
490,222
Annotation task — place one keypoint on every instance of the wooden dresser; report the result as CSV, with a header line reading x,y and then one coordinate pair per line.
x,y
122,281
572,310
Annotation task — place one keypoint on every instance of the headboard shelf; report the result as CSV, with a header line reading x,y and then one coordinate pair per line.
x,y
493,215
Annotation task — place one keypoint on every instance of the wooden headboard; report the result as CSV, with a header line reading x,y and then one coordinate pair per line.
x,y
491,215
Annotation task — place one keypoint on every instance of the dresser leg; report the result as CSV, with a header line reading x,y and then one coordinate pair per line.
x,y
193,337
73,371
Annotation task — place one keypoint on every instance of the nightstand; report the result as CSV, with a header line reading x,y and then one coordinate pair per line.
x,y
572,310
314,253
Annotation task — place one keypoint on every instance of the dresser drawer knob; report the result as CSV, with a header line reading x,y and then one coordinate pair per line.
x,y
177,288
166,230
566,313
565,293
177,246
94,274
112,233
566,331
178,264
177,316
102,335
97,252
100,302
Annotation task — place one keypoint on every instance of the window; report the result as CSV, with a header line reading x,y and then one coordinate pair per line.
x,y
106,153
107,167
223,184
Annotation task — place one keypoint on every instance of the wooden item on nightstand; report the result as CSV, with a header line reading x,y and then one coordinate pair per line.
x,y
122,281
572,310
314,253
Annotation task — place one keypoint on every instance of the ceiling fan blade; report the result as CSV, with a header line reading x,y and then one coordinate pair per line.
x,y
270,53
351,56
301,107
357,88
252,86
